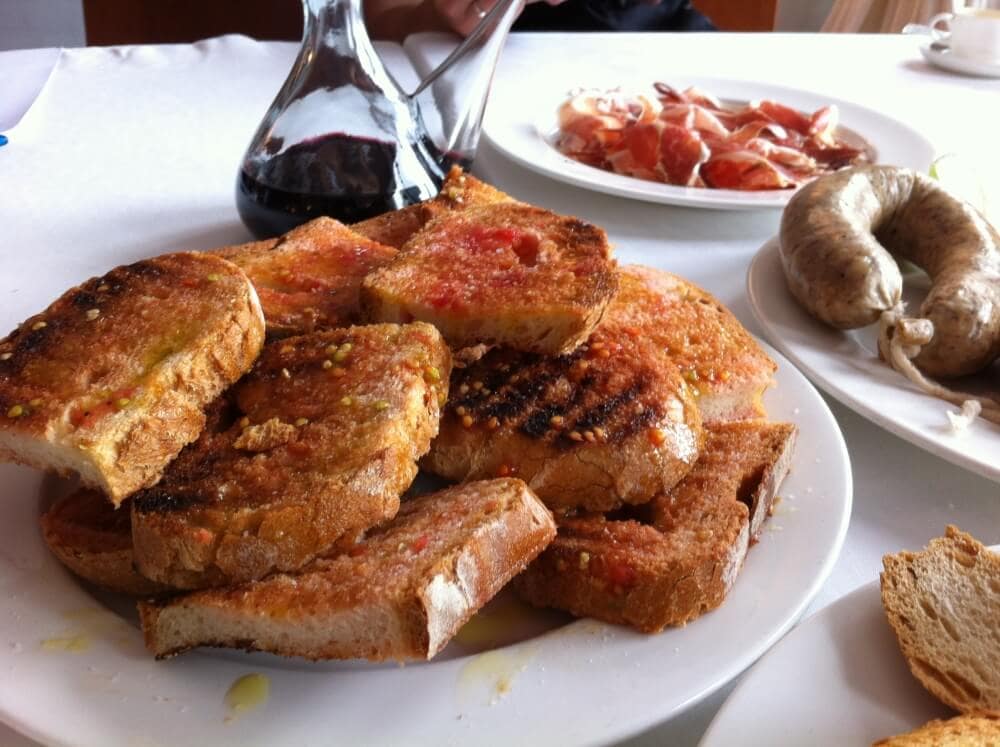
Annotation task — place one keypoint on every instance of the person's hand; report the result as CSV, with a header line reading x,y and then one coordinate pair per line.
x,y
461,16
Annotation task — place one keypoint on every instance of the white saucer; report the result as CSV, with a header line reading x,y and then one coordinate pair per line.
x,y
942,57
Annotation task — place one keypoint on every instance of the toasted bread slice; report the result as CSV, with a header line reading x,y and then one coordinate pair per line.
x,y
975,730
110,381
401,594
670,572
324,440
506,274
308,280
94,540
742,460
459,191
717,356
944,605
610,423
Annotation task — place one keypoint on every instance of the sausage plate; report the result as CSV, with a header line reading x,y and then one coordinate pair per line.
x,y
845,364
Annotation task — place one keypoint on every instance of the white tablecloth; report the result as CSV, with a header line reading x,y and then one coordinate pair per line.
x,y
80,158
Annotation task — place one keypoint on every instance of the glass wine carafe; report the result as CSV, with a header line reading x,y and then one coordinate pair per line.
x,y
342,139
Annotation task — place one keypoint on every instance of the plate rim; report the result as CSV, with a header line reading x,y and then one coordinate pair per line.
x,y
638,720
768,252
668,194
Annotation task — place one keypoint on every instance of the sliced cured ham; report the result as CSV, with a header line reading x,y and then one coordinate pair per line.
x,y
744,170
689,137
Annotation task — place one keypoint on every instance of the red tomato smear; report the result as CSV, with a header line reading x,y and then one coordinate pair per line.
x,y
496,256
620,574
84,417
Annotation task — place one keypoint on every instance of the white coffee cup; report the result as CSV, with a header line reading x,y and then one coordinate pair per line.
x,y
972,33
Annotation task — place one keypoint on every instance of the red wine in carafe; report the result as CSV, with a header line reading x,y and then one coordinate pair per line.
x,y
346,177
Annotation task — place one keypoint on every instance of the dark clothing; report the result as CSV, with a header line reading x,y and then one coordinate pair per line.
x,y
612,15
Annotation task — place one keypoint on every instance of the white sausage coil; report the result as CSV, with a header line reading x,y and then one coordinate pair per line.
x,y
839,237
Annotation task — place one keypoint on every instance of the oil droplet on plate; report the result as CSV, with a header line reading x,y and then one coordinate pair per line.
x,y
494,672
73,644
246,693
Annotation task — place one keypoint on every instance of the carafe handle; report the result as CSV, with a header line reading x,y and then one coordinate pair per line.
x,y
450,101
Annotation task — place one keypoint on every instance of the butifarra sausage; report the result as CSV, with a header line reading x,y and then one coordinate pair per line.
x,y
840,234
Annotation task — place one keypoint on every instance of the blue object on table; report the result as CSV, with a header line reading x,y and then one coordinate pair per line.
x,y
3,140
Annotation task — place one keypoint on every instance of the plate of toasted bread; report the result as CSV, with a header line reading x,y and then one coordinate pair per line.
x,y
702,142
909,660
249,483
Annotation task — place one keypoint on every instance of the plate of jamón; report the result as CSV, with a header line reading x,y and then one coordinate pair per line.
x,y
694,141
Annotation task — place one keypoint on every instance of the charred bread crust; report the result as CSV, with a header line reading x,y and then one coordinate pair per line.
x,y
321,439
610,423
110,381
400,594
684,562
308,280
94,540
508,274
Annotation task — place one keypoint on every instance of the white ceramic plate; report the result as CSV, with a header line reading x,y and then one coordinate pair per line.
x,y
562,682
522,124
846,365
837,679
940,56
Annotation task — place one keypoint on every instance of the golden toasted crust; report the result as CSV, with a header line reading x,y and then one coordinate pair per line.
x,y
610,423
682,565
110,381
714,352
743,460
507,274
974,730
458,192
943,604
308,280
322,439
94,540
400,594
